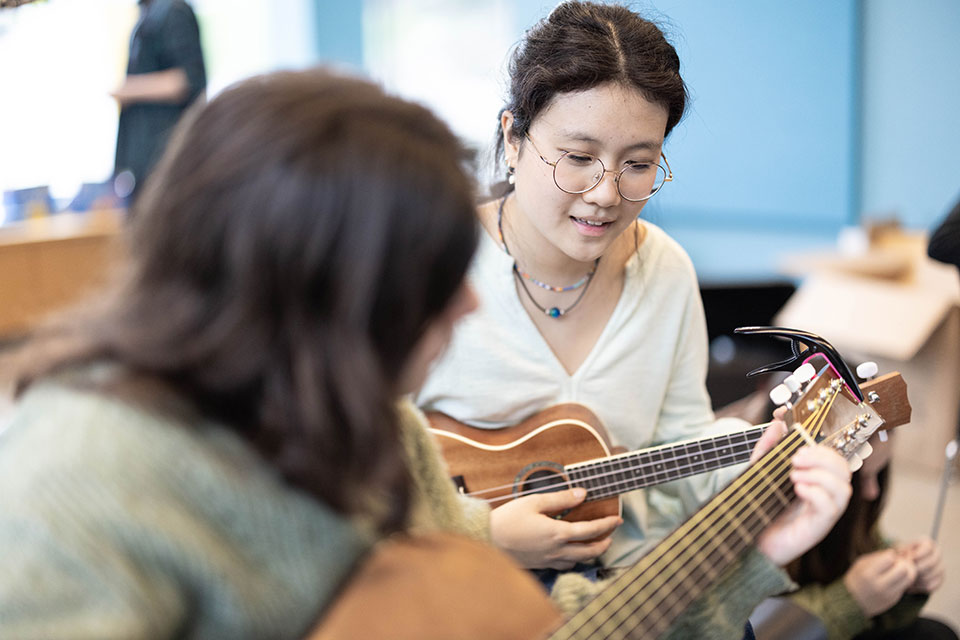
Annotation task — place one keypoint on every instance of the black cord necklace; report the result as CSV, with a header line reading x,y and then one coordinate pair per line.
x,y
552,312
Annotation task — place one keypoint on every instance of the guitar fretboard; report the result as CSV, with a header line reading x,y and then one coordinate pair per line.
x,y
618,474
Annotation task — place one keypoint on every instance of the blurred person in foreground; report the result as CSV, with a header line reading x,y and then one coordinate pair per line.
x,y
165,75
211,449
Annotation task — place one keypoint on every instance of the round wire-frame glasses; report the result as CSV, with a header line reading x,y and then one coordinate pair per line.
x,y
580,172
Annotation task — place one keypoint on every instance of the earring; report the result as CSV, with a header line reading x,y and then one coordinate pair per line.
x,y
511,174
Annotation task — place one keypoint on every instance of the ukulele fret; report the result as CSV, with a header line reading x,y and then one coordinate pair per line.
x,y
627,472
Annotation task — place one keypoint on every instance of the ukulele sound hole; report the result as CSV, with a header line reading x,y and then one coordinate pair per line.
x,y
541,477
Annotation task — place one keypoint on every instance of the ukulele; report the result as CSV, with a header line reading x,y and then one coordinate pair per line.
x,y
566,446
441,586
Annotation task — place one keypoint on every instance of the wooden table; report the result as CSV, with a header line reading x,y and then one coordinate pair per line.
x,y
48,263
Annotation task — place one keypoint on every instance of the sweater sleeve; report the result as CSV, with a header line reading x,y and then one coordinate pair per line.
x,y
719,613
437,506
835,606
842,616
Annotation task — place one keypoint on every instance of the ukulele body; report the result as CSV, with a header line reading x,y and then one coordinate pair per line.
x,y
499,464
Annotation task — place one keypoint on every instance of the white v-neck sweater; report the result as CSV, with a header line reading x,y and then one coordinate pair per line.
x,y
644,378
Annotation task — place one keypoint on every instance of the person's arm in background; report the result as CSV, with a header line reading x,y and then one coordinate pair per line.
x,y
169,86
945,239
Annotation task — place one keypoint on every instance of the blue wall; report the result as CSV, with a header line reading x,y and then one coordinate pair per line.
x,y
766,158
911,110
339,29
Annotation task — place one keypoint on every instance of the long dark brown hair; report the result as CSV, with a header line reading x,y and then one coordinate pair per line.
x,y
853,535
582,45
296,239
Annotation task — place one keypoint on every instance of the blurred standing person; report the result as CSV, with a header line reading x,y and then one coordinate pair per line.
x,y
165,74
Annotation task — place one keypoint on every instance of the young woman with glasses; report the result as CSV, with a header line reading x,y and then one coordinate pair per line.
x,y
580,299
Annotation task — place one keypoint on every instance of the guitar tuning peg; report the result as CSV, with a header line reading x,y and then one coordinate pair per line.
x,y
864,451
791,383
854,462
780,395
867,370
805,372
882,434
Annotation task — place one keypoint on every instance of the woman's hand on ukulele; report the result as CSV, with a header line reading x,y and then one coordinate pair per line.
x,y
878,580
527,529
821,480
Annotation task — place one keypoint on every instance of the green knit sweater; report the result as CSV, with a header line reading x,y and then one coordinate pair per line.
x,y
117,522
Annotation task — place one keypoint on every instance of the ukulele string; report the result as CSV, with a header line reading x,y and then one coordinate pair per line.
x,y
751,435
597,492
615,487
774,466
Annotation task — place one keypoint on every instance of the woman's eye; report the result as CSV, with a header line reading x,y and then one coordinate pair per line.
x,y
580,158
640,167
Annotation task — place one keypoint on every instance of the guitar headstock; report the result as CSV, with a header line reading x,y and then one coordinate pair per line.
x,y
820,402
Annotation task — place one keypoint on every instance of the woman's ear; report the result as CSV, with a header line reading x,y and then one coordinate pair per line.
x,y
511,147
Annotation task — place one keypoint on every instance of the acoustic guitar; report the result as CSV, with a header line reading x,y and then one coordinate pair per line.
x,y
444,587
566,446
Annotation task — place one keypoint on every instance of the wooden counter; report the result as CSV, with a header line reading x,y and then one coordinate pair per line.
x,y
48,263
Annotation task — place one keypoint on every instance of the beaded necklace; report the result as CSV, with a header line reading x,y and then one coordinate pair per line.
x,y
552,312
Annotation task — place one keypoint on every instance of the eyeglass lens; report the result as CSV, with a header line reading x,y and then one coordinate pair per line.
x,y
578,173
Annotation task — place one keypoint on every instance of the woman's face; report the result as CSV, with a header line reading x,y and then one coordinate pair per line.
x,y
612,122
436,338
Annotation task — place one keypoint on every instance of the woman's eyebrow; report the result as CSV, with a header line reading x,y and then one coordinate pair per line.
x,y
644,145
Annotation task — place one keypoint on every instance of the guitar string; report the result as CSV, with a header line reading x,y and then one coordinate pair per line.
x,y
667,611
589,614
703,525
777,457
627,592
748,515
673,599
756,529
752,435
700,524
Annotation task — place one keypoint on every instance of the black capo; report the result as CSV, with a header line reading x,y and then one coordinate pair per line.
x,y
813,343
